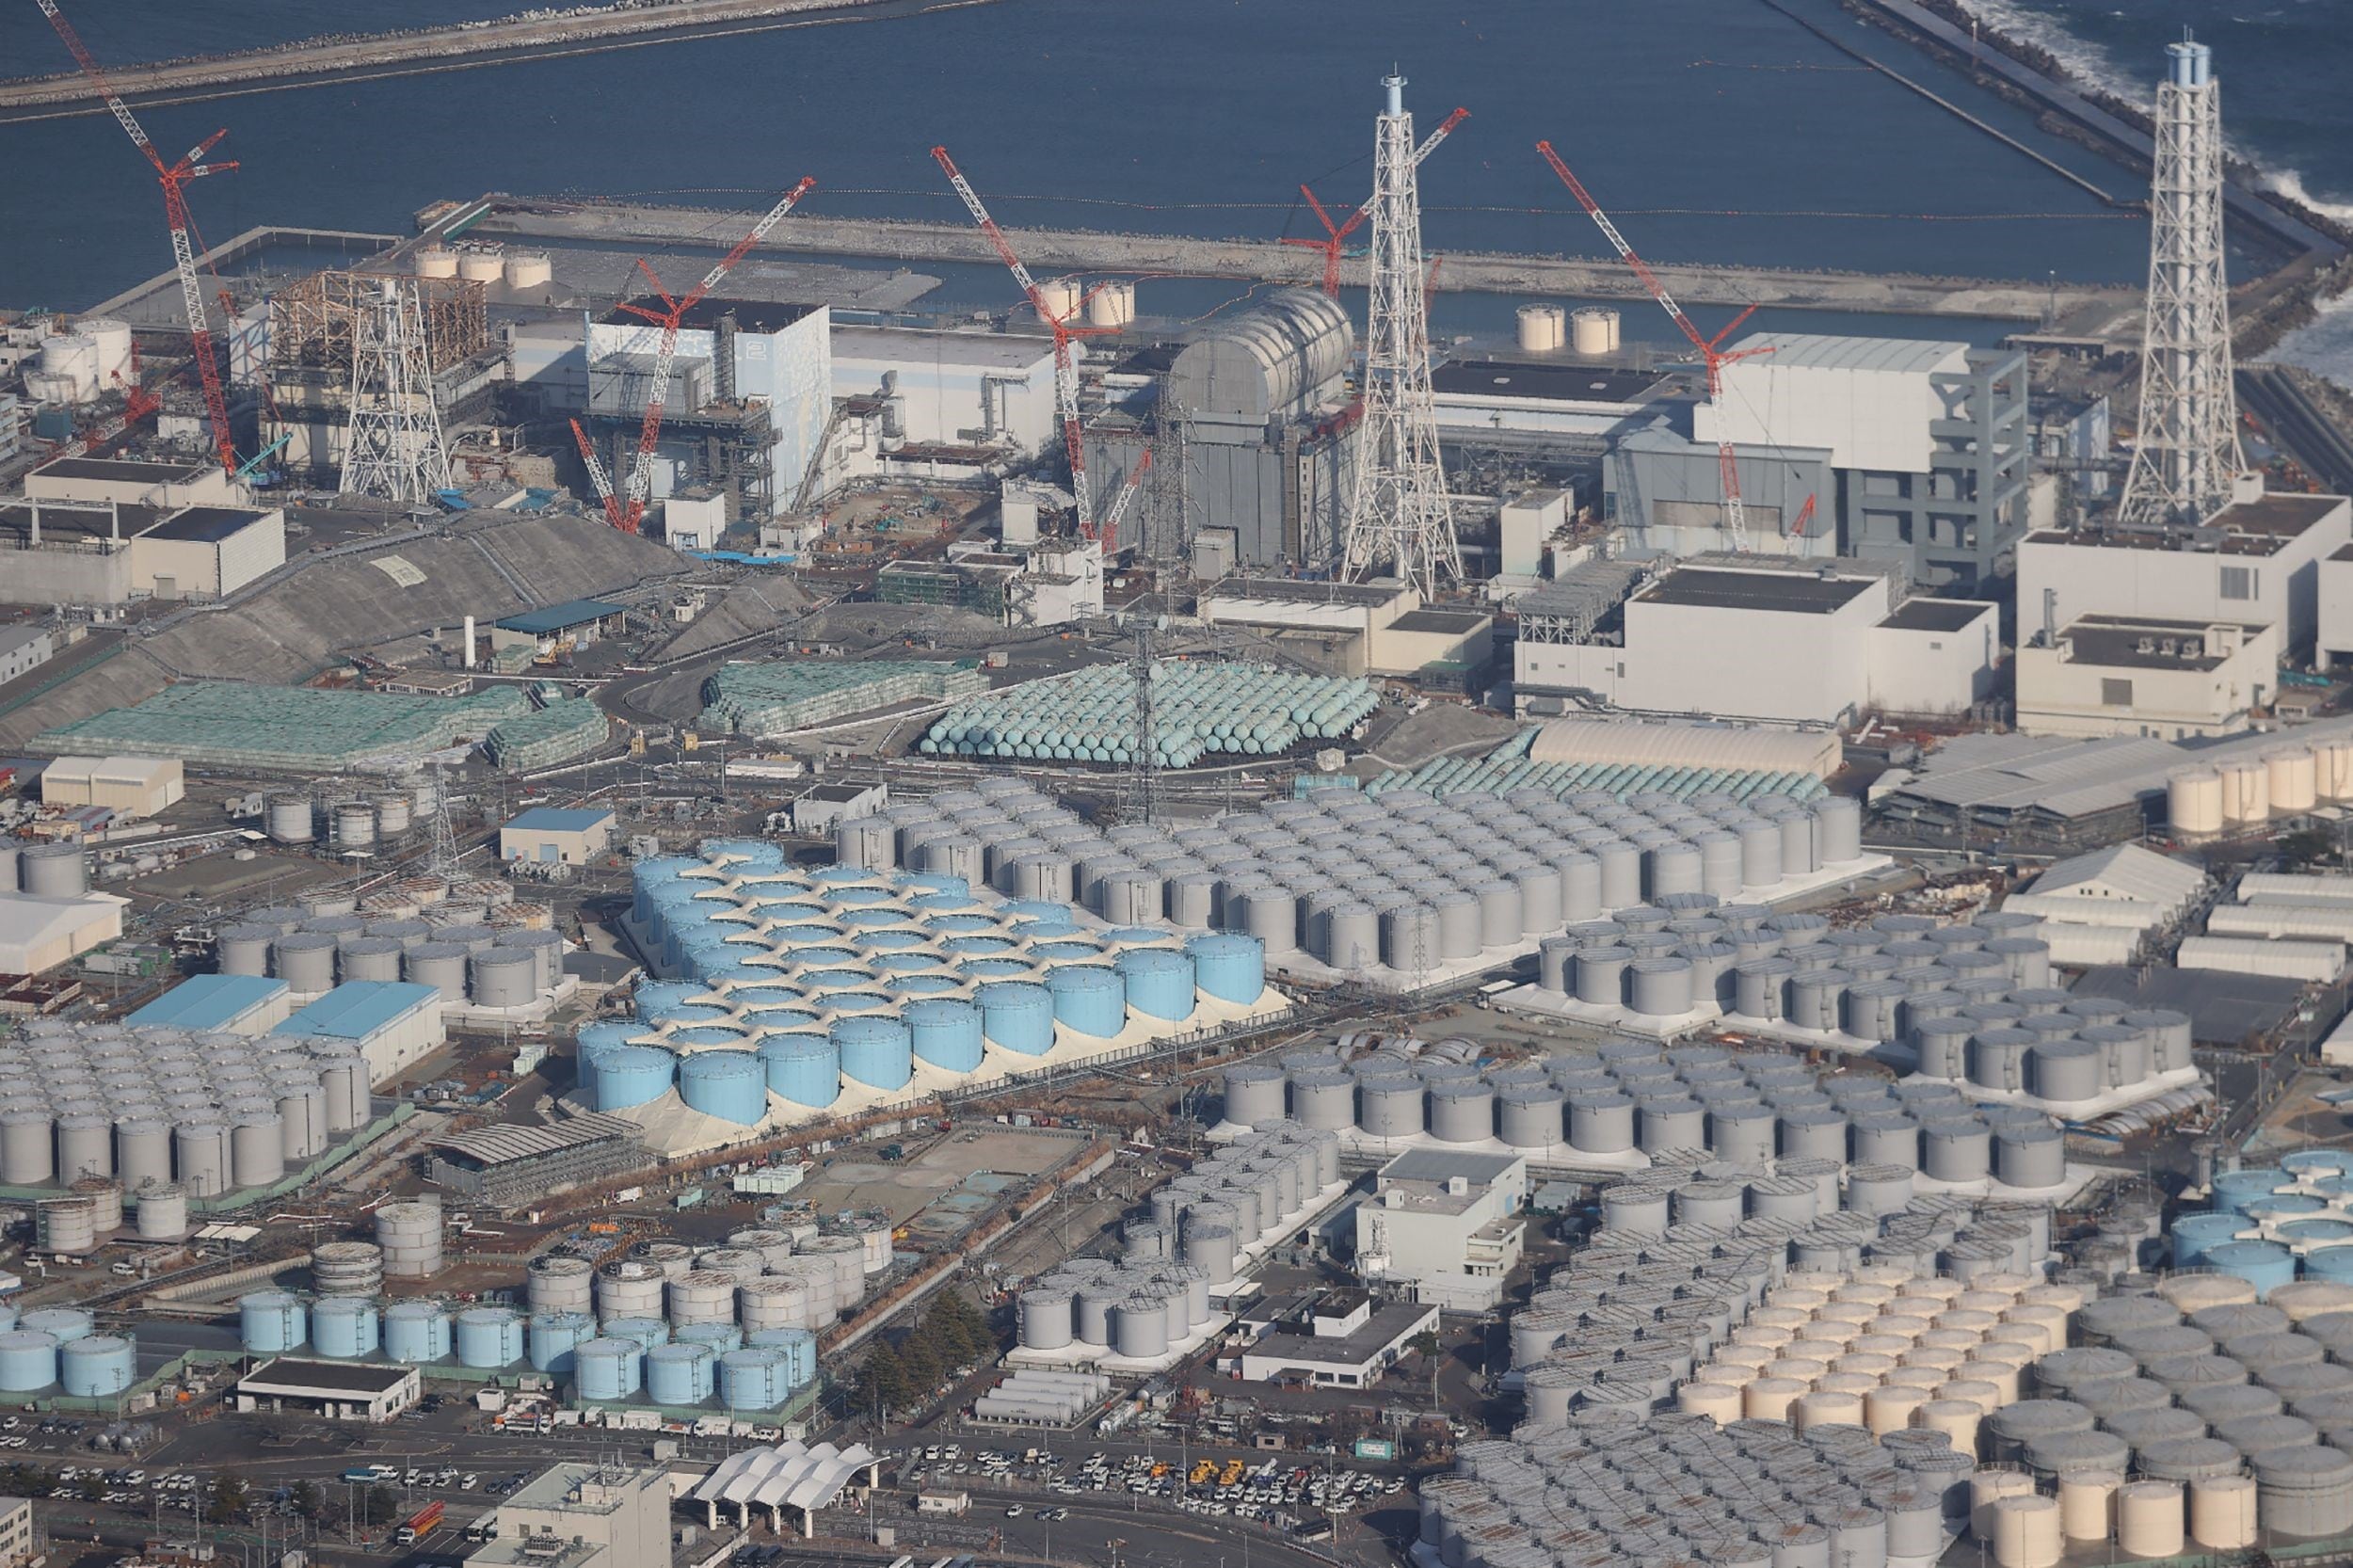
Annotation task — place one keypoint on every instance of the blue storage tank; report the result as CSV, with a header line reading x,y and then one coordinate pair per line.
x,y
553,1336
718,1338
269,1322
909,963
795,938
2194,1235
963,923
946,1034
940,882
1019,1014
1035,908
2287,1205
978,946
829,876
66,1324
344,1327
607,1370
2266,1265
681,1374
1050,934
416,1332
28,1360
896,939
490,1337
941,903
1159,982
2331,1263
634,1075
1091,998
921,984
710,1037
2318,1161
1229,965
804,1068
1066,953
751,856
859,1001
755,1379
731,1085
2235,1190
823,983
992,968
878,1052
799,1345
2307,1236
660,998
645,1333
595,1041
1138,936
97,1368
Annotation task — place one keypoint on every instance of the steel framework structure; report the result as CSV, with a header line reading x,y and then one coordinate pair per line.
x,y
392,447
2188,449
1399,516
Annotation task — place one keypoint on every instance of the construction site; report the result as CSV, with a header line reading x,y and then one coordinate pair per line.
x,y
634,843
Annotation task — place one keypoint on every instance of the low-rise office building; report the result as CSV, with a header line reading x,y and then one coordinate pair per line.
x,y
554,835
1326,1339
23,650
576,1516
339,1391
1447,1224
1376,627
2127,675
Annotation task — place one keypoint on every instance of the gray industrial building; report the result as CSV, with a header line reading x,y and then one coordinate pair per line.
x,y
1259,409
1913,452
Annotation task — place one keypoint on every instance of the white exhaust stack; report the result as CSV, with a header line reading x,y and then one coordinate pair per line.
x,y
468,656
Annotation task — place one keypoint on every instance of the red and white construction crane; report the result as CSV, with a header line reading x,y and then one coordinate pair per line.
x,y
172,176
1727,461
627,511
1065,327
1335,235
1126,498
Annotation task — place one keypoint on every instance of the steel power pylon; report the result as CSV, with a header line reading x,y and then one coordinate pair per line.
x,y
393,445
2188,450
1399,517
1336,235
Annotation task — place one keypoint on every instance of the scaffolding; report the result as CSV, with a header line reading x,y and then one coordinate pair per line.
x,y
314,323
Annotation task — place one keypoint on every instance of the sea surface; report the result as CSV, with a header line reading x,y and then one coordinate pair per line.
x,y
1712,130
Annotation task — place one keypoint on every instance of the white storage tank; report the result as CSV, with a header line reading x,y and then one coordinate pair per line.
x,y
1594,330
1543,329
410,1237
528,269
1114,304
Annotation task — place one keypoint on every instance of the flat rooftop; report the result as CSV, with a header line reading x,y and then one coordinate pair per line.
x,y
1440,621
1847,351
205,524
2135,643
751,316
335,1377
1549,383
1938,614
2259,527
1297,1343
1779,592
65,522
1444,1165
922,346
1293,591
121,469
560,617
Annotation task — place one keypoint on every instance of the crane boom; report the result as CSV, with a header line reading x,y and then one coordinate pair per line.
x,y
1336,235
1727,460
597,476
1118,509
172,176
640,481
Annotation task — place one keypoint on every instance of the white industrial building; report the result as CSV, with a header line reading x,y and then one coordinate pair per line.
x,y
74,538
1326,1339
790,1481
38,932
23,650
1740,637
134,482
338,1390
2258,562
2333,615
1376,627
577,1515
2096,907
1493,401
1449,1224
395,1024
781,357
950,388
2131,675
129,786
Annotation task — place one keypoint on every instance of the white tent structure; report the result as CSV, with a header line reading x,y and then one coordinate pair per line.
x,y
786,1476
2121,873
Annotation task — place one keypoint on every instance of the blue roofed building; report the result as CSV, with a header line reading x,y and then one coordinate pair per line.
x,y
578,621
395,1024
557,835
234,1004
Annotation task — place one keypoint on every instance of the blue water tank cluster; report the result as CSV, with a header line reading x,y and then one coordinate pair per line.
x,y
804,1068
876,1050
633,1076
799,1345
68,1323
2236,1190
728,1084
2195,1235
645,1333
28,1360
681,1374
417,1333
605,1369
344,1327
552,1336
755,1378
490,1337
718,1338
946,1034
1019,1014
1229,965
97,1367
1159,982
271,1323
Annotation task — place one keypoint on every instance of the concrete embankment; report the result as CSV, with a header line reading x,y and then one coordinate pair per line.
x,y
2091,310
588,30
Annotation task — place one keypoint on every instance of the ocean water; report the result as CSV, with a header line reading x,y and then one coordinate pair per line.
x,y
1712,129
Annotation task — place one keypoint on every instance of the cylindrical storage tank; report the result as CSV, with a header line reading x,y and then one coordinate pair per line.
x,y
1390,1106
163,1214
609,1369
2148,1518
410,1235
490,1337
257,1146
2027,1532
680,1374
502,977
755,1378
271,1323
2031,1155
1593,331
2222,1512
417,1332
876,1049
731,1085
2265,1264
560,1282
704,1296
1543,329
1140,1327
344,1327
66,1225
1531,1118
1462,1112
1047,1321
1600,975
1253,1093
245,948
306,962
2305,1490
1600,1122
1660,988
629,1290
2087,1503
99,1366
553,1337
52,870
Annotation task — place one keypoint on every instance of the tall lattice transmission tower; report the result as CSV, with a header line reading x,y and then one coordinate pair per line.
x,y
392,447
1141,788
2188,450
1399,518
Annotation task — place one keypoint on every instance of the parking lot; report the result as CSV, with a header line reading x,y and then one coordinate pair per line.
x,y
1277,1491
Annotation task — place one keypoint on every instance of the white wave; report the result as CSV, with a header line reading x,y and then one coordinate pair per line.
x,y
2288,182
2087,62
2323,345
